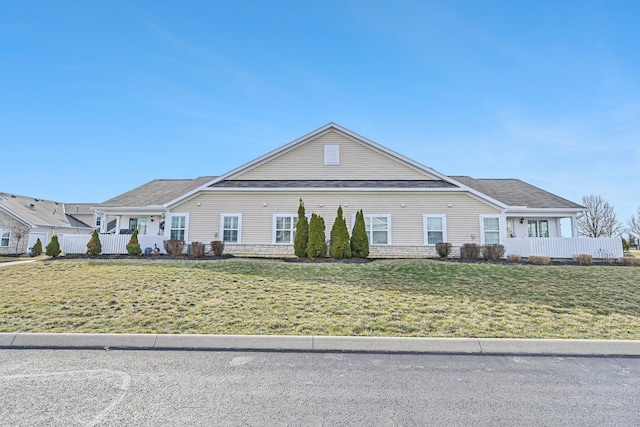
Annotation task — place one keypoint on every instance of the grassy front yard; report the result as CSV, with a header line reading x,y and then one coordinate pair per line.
x,y
390,298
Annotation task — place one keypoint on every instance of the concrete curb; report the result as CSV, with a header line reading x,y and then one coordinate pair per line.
x,y
322,344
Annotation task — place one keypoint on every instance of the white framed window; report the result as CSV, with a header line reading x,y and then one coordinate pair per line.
x,y
231,227
538,227
331,154
5,238
178,226
378,228
435,229
284,228
98,221
139,224
489,229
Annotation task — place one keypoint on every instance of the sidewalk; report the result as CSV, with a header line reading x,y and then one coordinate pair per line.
x,y
6,264
322,344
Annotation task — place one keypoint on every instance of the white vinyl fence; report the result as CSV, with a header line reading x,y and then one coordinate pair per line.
x,y
562,247
112,244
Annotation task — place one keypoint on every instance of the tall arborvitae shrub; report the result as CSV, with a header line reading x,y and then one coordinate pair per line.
x,y
317,245
339,246
37,248
359,239
53,248
302,233
133,247
94,247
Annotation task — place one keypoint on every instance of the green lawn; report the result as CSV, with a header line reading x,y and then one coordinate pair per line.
x,y
386,298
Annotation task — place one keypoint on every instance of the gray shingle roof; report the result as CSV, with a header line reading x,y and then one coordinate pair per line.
x,y
156,192
514,192
334,184
40,212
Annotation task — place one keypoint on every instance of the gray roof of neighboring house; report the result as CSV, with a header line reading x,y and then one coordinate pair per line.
x,y
39,211
513,192
80,208
156,192
369,183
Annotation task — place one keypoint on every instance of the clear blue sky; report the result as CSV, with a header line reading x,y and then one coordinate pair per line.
x,y
98,97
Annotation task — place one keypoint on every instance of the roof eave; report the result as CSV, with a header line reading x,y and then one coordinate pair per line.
x,y
528,210
139,209
343,189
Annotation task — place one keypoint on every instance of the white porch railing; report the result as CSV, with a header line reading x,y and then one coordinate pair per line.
x,y
562,247
112,244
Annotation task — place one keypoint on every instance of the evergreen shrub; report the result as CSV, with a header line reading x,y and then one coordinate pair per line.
x,y
301,238
340,246
133,247
359,238
94,247
317,245
53,248
37,248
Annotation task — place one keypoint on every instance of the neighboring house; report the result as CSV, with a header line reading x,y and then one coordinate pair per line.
x,y
408,207
85,212
23,220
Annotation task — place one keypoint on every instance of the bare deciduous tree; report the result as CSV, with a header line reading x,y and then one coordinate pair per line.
x,y
633,224
20,232
599,220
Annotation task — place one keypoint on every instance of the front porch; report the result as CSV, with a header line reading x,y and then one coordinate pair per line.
x,y
563,247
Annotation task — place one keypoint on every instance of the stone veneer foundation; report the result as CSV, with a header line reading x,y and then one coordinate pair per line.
x,y
286,251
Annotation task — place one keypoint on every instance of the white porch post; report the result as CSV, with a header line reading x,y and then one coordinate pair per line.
x,y
574,227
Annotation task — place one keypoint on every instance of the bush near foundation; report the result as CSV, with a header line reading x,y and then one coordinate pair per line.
x,y
492,252
174,247
217,247
471,251
632,261
197,250
443,249
539,260
583,259
514,258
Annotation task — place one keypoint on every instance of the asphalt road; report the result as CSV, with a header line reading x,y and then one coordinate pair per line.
x,y
177,388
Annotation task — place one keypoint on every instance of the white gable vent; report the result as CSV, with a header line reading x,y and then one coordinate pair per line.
x,y
331,154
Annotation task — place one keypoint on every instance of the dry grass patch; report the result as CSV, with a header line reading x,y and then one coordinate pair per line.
x,y
387,298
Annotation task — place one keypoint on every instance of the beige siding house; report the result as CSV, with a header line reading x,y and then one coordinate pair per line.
x,y
408,207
